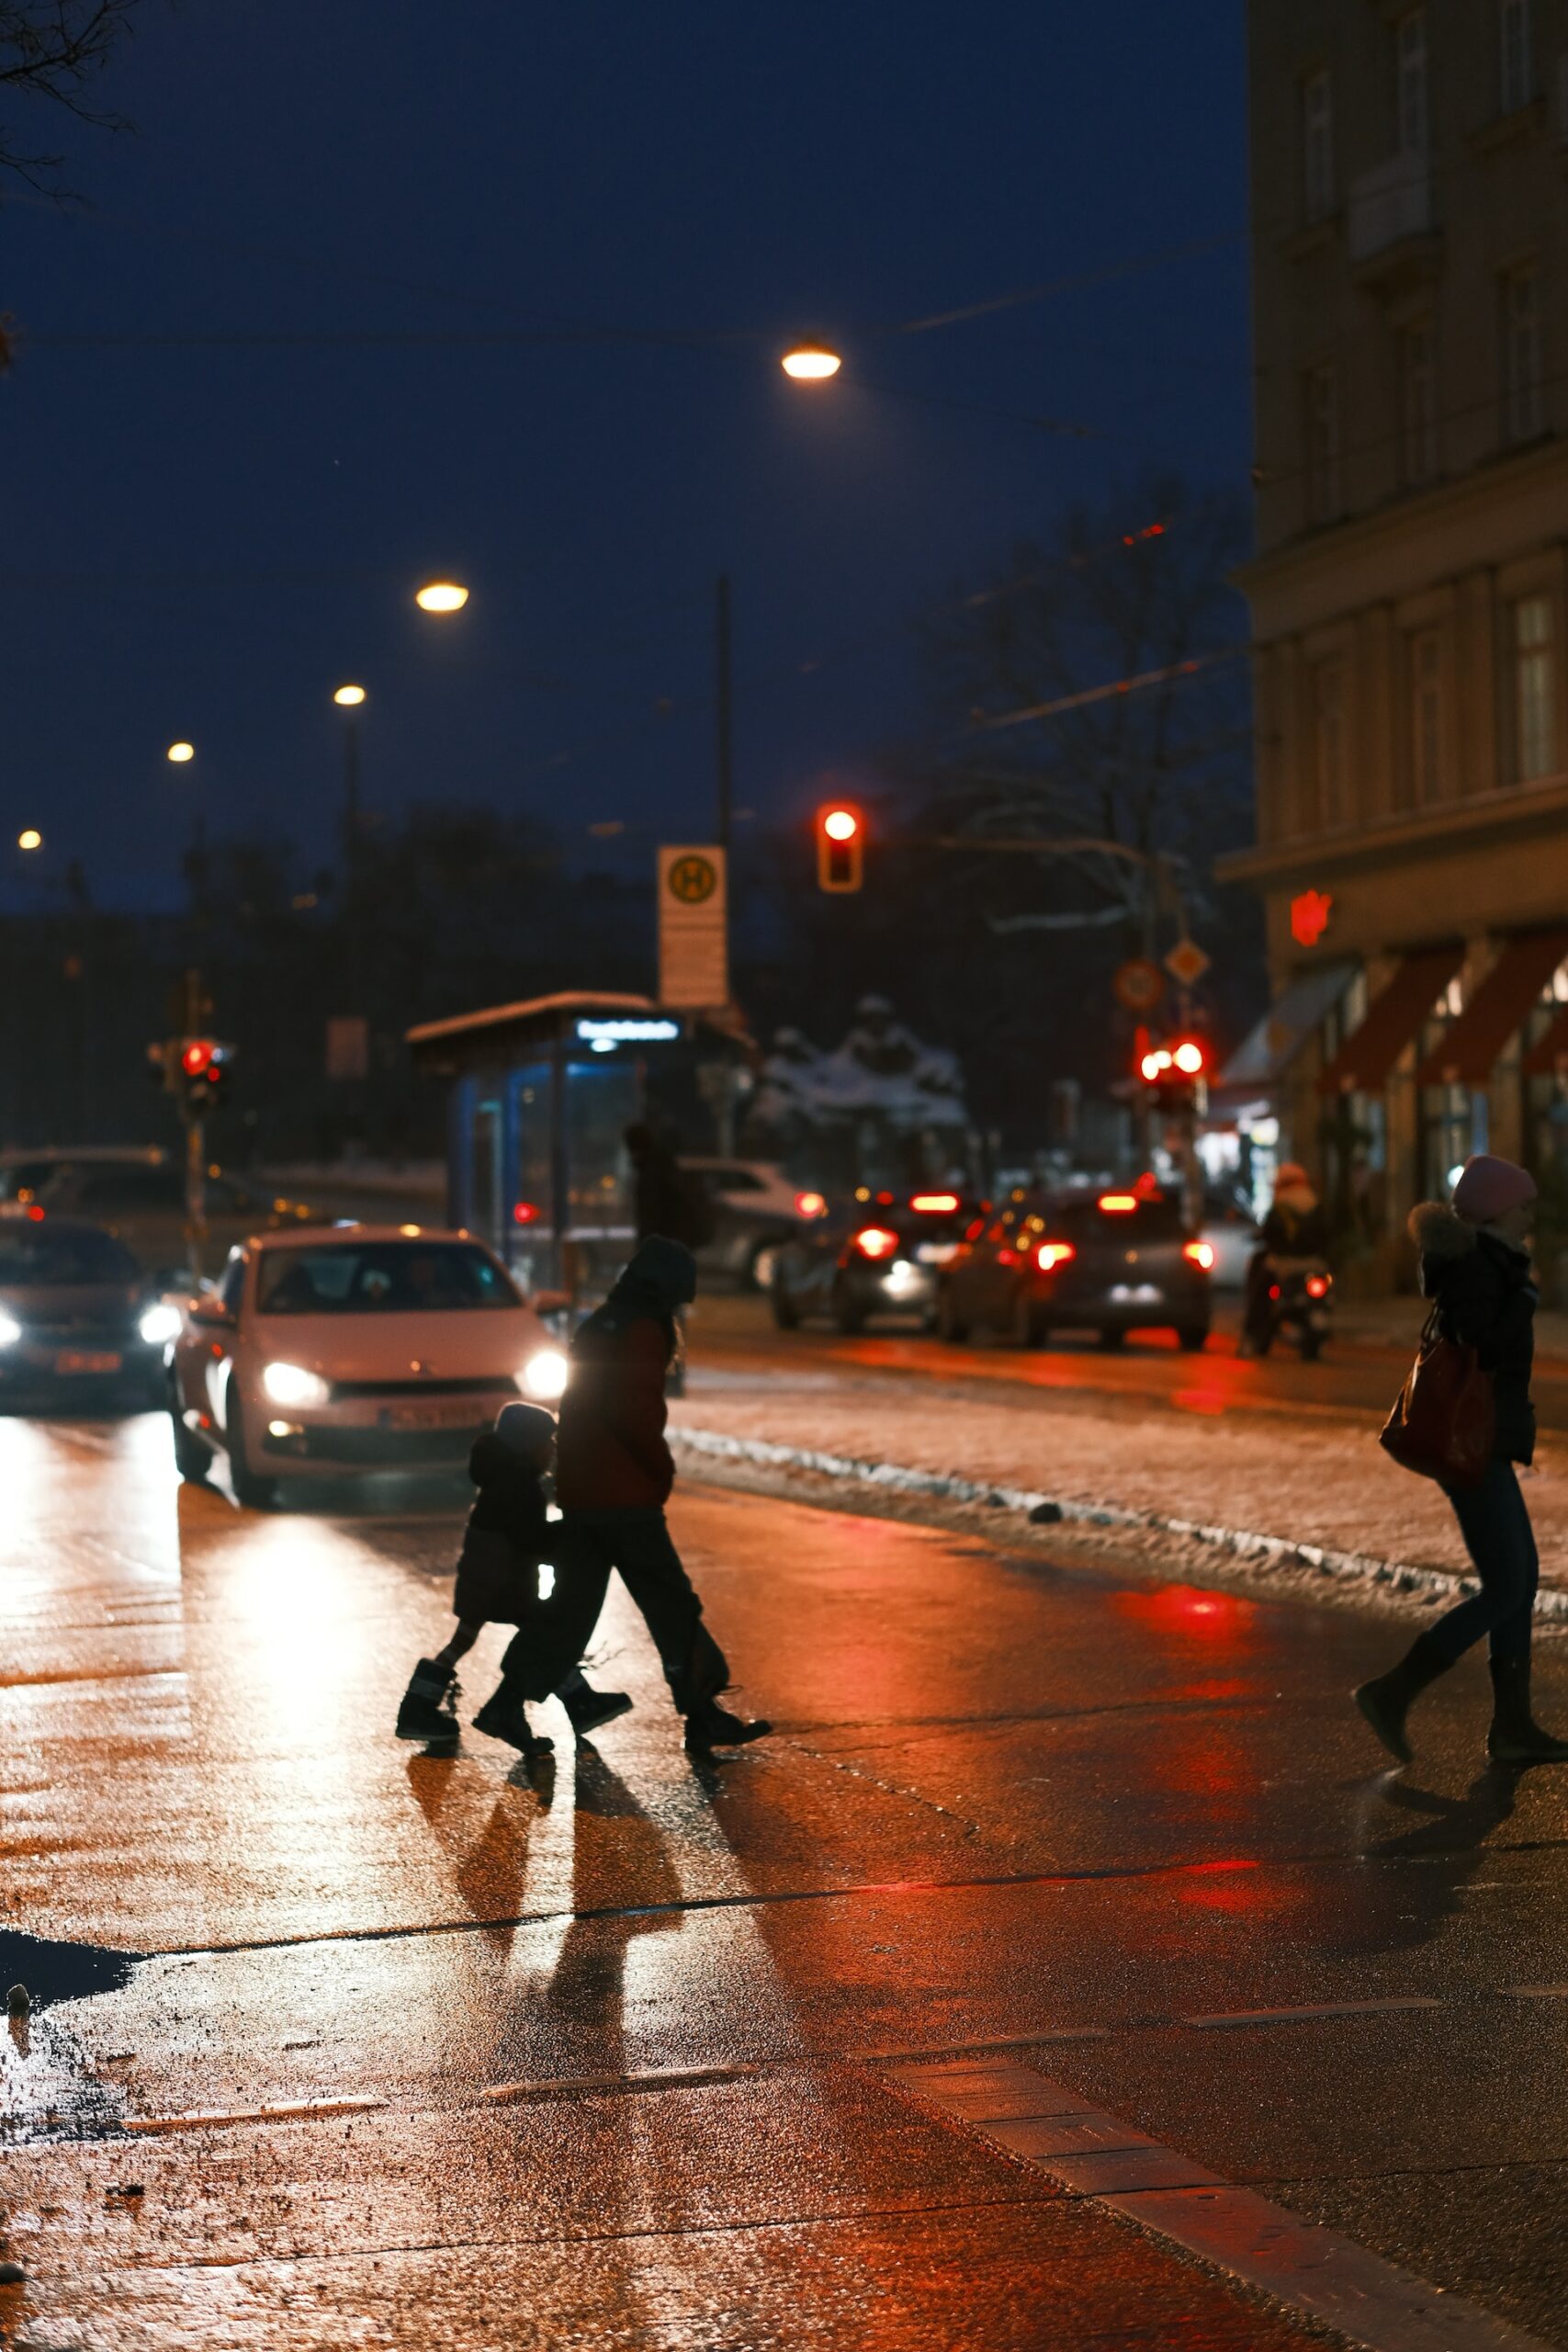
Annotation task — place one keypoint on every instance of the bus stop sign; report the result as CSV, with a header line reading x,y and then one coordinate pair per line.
x,y
693,951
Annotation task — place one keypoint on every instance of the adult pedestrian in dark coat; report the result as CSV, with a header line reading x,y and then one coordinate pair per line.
x,y
666,1198
613,1473
1475,1266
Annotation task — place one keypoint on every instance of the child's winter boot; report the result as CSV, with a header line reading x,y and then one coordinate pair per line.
x,y
429,1710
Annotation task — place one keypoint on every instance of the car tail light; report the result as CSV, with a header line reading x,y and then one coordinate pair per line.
x,y
934,1204
1318,1285
525,1212
1199,1253
876,1241
811,1204
1273,1290
1051,1254
1117,1204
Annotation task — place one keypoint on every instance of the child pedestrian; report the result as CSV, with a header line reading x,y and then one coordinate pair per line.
x,y
504,1544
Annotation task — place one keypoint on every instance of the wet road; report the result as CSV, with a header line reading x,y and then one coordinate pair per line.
x,y
1058,1910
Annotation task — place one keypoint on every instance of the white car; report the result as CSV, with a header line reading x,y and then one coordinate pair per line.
x,y
335,1349
756,1209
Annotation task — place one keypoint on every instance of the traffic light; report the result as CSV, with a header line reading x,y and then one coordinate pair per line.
x,y
1175,1071
204,1065
840,840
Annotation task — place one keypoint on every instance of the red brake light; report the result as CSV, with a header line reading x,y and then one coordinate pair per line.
x,y
1273,1290
876,1241
1051,1254
525,1212
934,1204
1201,1253
1317,1286
811,1204
1117,1204
36,1213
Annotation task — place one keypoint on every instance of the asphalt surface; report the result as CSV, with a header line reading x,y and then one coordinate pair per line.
x,y
639,2054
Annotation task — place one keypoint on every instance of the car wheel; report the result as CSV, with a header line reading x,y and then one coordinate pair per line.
x,y
1027,1328
1113,1338
192,1459
787,1315
251,1490
1191,1337
950,1324
763,1271
1312,1346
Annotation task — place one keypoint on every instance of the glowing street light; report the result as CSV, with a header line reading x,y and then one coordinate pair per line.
x,y
349,698
441,597
180,753
32,839
810,363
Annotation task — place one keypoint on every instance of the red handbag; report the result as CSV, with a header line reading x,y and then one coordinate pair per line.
x,y
1444,1422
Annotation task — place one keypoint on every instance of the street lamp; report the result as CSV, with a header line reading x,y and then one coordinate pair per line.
x,y
180,752
811,362
441,597
349,698
32,839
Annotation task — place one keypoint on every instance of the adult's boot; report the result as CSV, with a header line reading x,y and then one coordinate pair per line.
x,y
709,1726
588,1709
1516,1738
1385,1700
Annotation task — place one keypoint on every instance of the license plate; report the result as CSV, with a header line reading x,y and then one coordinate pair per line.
x,y
935,1253
86,1359
458,1415
1134,1294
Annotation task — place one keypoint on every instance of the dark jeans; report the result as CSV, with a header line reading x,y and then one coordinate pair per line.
x,y
587,1547
1495,1523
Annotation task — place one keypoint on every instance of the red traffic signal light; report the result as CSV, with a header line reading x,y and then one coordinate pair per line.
x,y
1179,1065
840,839
197,1056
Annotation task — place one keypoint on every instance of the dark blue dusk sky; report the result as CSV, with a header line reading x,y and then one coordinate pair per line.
x,y
203,539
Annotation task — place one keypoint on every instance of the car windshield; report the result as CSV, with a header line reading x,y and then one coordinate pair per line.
x,y
36,1257
381,1278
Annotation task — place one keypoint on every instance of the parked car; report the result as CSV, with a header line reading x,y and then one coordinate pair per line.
x,y
340,1348
756,1207
1112,1262
882,1259
80,1321
140,1195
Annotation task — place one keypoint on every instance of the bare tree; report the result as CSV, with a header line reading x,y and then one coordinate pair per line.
x,y
55,50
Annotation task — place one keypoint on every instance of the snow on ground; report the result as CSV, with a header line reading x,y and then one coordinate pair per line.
x,y
1307,1482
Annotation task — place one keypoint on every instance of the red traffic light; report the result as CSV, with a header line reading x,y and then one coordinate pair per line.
x,y
840,841
1189,1056
1182,1062
197,1056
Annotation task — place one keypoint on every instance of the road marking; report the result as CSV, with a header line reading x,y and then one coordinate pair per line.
x,y
651,2079
288,2110
1317,2009
1309,2270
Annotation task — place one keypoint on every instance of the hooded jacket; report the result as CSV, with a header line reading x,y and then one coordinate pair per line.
x,y
1295,1225
1486,1299
611,1452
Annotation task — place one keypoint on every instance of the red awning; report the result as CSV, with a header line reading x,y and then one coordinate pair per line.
x,y
1364,1061
1466,1053
1548,1049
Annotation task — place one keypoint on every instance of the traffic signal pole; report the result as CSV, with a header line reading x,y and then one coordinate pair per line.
x,y
195,1189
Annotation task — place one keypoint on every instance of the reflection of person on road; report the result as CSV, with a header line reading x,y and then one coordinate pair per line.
x,y
498,1583
1295,1226
613,1473
1475,1266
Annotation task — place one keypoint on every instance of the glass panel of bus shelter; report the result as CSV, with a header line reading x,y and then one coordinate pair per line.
x,y
602,1100
529,1242
484,1186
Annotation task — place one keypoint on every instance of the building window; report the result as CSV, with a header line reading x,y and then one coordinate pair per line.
x,y
1522,409
1534,690
1327,807
1410,61
1323,487
1317,145
1428,764
1516,58
1418,402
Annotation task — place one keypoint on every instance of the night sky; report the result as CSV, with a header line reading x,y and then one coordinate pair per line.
x,y
375,290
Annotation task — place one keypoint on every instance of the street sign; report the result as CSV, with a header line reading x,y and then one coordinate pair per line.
x,y
1186,963
1138,985
693,950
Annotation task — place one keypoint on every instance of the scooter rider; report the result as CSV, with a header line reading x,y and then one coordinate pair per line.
x,y
1295,1228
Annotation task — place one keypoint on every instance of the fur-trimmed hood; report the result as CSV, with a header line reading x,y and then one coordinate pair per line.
x,y
1439,1232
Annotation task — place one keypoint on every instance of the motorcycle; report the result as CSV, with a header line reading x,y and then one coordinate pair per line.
x,y
1299,1302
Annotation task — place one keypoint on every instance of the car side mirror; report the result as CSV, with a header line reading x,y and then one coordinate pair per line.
x,y
211,1311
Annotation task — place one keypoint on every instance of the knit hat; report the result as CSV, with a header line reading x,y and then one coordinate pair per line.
x,y
666,1269
526,1429
1490,1187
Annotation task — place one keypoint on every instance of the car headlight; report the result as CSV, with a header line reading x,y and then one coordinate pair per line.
x,y
290,1384
10,1331
160,1325
545,1375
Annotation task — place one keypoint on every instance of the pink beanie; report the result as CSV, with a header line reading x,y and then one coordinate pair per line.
x,y
1489,1187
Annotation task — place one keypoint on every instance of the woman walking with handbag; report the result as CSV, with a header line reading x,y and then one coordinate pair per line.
x,y
1476,1267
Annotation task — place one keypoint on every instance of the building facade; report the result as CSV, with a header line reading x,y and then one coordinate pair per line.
x,y
1409,595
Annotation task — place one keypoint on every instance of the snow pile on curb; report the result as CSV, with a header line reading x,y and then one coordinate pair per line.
x,y
1262,1551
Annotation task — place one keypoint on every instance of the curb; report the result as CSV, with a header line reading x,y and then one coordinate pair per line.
x,y
1262,1551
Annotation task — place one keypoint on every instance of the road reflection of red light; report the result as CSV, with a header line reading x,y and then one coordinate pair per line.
x,y
1188,1608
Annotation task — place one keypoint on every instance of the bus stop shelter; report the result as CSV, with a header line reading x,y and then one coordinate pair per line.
x,y
542,1093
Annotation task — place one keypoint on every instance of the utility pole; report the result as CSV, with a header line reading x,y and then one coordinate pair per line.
x,y
723,737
